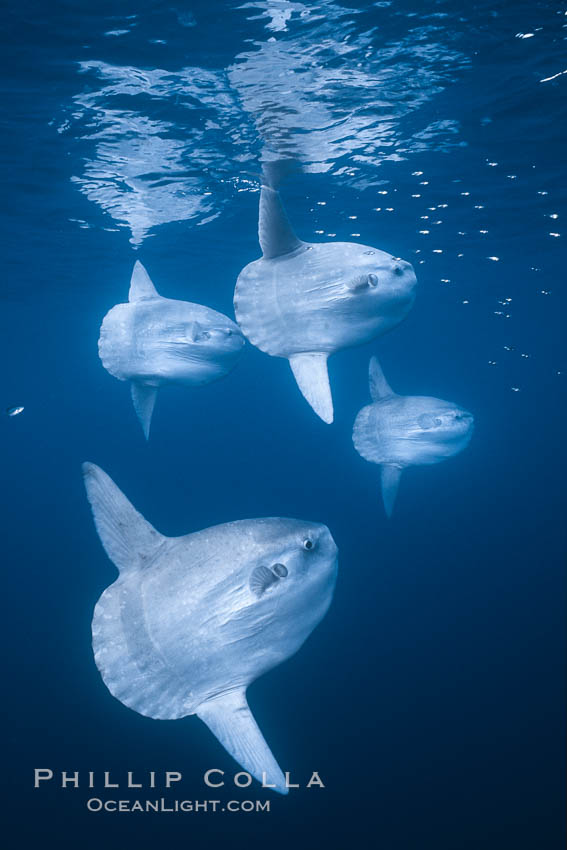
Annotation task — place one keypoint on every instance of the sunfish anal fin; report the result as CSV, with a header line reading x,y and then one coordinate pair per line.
x,y
144,399
274,230
379,386
141,285
391,475
230,720
310,372
128,539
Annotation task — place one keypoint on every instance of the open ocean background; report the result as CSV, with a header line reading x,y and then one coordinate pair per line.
x,y
431,698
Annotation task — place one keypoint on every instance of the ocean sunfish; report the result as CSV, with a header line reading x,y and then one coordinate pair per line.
x,y
304,301
191,621
152,341
399,431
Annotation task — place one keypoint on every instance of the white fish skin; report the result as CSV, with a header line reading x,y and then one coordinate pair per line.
x,y
152,341
184,630
400,431
317,298
162,341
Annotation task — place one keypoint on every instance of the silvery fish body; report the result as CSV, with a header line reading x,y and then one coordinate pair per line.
x,y
305,301
400,431
192,621
152,341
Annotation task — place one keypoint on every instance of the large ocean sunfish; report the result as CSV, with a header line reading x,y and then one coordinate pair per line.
x,y
191,621
304,301
152,341
400,431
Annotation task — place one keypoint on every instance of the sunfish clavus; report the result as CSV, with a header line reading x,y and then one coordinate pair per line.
x,y
304,300
152,341
191,621
400,431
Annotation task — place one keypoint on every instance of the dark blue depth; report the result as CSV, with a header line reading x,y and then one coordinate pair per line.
x,y
431,698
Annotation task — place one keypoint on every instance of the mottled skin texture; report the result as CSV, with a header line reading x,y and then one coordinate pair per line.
x,y
411,430
304,301
188,627
319,298
400,431
191,621
156,341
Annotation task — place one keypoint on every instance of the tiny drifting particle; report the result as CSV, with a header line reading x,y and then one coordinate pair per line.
x,y
14,411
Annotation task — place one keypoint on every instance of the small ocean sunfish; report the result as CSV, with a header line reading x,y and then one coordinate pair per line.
x,y
400,431
304,301
152,341
192,621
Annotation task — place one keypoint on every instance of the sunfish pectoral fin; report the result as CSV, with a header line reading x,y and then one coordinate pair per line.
x,y
230,720
128,539
261,579
379,386
144,399
274,230
391,475
312,376
141,285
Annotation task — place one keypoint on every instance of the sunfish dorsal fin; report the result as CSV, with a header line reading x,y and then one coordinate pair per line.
x,y
230,720
274,230
141,285
144,399
391,475
312,376
128,539
379,386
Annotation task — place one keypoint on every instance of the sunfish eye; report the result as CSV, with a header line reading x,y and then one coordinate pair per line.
x,y
308,544
372,280
280,570
426,421
370,252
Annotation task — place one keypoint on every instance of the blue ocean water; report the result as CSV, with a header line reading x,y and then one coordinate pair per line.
x,y
431,698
